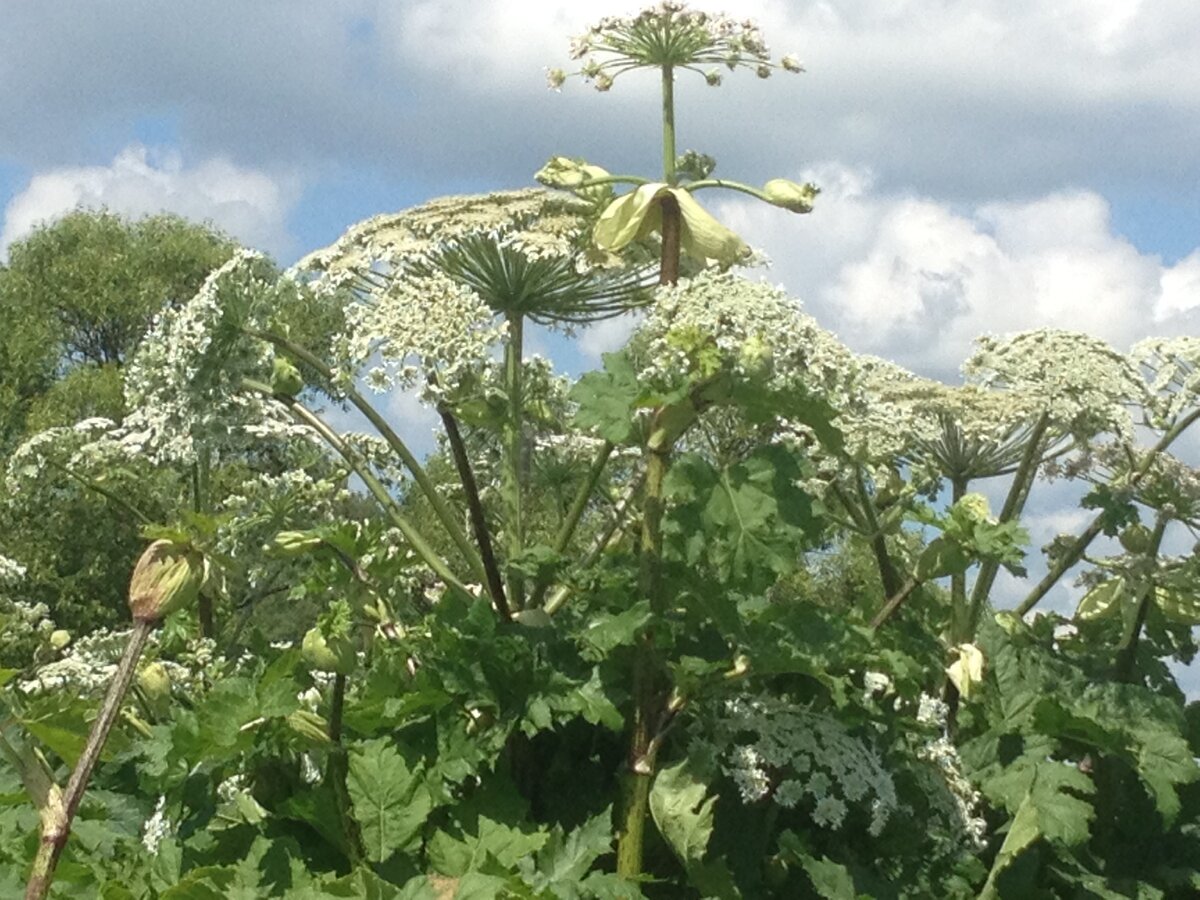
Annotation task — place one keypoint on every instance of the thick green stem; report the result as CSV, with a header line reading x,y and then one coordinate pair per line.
x,y
1123,668
1014,503
1076,550
337,706
60,811
514,454
647,690
445,515
668,125
458,449
959,613
360,468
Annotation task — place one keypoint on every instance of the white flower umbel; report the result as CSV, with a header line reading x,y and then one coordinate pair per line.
x,y
1171,367
431,282
798,756
11,572
157,827
183,386
757,331
670,34
1085,385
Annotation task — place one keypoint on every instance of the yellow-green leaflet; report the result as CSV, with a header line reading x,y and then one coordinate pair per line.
x,y
639,213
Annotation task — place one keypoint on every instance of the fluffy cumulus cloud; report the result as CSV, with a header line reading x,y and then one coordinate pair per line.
x,y
916,280
249,204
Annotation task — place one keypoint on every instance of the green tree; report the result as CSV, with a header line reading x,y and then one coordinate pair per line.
x,y
75,299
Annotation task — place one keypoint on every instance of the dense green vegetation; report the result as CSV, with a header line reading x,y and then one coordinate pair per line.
x,y
714,620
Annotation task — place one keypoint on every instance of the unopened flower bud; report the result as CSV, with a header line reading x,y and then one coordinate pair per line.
x,y
293,543
309,725
286,378
713,77
791,64
574,175
789,195
333,654
155,683
166,578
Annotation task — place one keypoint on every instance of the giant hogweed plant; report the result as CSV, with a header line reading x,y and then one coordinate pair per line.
x,y
587,649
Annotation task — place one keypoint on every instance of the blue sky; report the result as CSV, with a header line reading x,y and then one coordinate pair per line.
x,y
987,167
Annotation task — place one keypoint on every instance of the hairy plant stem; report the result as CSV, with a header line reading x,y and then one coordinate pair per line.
x,y
1014,503
445,515
895,601
1123,668
514,452
483,537
959,614
1077,549
567,531
360,468
648,694
59,812
883,559
648,691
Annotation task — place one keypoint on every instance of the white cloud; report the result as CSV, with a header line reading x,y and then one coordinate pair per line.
x,y
917,280
249,204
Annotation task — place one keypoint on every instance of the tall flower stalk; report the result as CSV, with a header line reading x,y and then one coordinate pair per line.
x,y
667,38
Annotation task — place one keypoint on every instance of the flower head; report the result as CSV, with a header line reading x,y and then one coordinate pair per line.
x,y
671,36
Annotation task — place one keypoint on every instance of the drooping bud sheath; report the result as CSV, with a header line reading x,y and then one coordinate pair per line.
x,y
166,578
789,195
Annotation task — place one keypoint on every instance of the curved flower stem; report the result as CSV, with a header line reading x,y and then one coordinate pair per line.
x,y
60,810
445,515
1077,549
610,537
494,581
414,537
1014,503
571,522
731,185
514,453
103,492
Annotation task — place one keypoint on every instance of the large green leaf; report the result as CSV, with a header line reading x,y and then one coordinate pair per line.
x,y
1050,810
749,522
607,399
390,800
564,860
681,811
